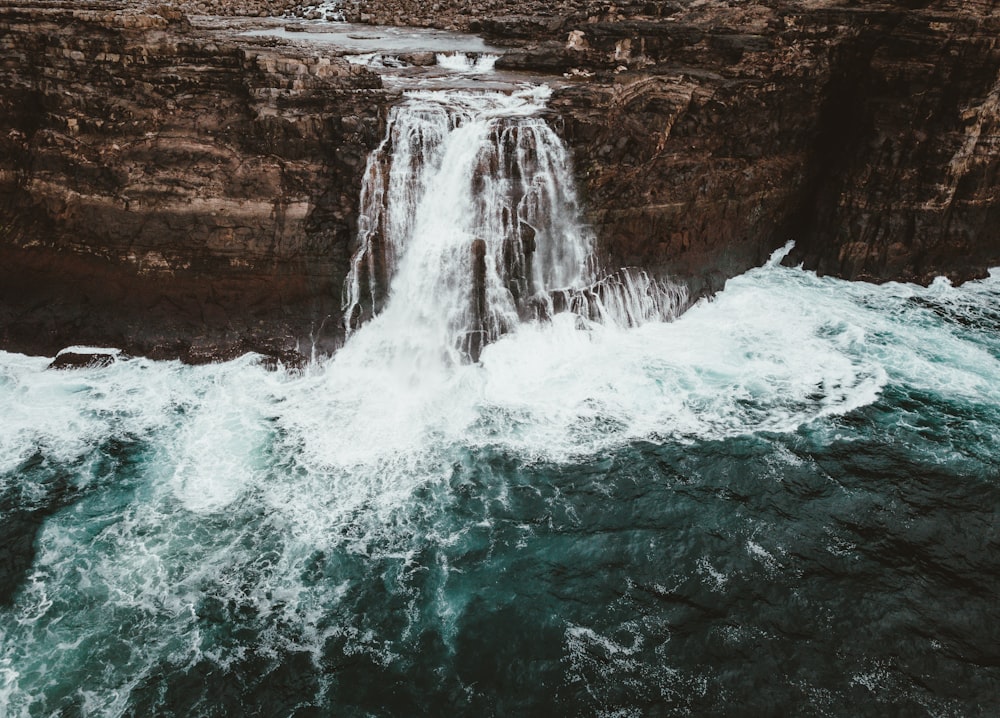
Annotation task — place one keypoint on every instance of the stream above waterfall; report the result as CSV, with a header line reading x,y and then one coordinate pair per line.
x,y
405,58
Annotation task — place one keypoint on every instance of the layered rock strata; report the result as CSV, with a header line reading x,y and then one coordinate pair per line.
x,y
708,133
867,134
173,192
177,190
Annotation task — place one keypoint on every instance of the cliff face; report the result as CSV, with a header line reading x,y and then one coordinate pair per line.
x,y
867,134
903,176
711,132
177,190
170,191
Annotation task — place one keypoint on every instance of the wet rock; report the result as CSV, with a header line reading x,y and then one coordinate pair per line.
x,y
552,58
178,192
95,359
288,360
477,335
419,59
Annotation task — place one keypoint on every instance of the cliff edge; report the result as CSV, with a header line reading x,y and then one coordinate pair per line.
x,y
173,188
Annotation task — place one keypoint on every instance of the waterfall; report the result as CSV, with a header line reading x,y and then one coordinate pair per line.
x,y
470,224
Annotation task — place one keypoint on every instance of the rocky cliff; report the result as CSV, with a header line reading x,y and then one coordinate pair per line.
x,y
866,133
172,190
178,190
710,132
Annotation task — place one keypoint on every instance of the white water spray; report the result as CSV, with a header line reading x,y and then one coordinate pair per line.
x,y
467,63
470,224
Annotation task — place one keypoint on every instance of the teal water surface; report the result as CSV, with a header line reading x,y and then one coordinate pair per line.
x,y
783,503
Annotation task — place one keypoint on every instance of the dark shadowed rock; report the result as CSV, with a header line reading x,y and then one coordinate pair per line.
x,y
95,359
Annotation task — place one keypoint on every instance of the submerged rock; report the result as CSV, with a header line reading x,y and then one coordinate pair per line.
x,y
91,359
22,513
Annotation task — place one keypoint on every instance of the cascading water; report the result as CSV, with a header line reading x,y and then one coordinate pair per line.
x,y
470,223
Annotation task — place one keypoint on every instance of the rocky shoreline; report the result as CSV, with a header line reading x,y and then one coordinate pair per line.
x,y
175,189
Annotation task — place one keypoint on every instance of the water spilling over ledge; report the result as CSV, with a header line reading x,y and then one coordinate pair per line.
x,y
177,187
470,224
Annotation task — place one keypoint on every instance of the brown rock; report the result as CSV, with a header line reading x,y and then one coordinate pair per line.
x,y
171,184
176,192
83,360
869,135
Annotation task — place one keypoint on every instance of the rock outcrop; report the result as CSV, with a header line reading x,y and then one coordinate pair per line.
x,y
867,133
173,191
178,190
708,133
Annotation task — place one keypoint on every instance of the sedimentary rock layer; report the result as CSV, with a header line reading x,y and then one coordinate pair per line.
x,y
709,132
173,191
867,134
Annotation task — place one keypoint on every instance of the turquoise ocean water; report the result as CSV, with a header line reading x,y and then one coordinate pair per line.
x,y
785,502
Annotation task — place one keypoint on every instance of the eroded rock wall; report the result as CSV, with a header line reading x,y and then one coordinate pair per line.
x,y
172,192
177,191
866,133
709,133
